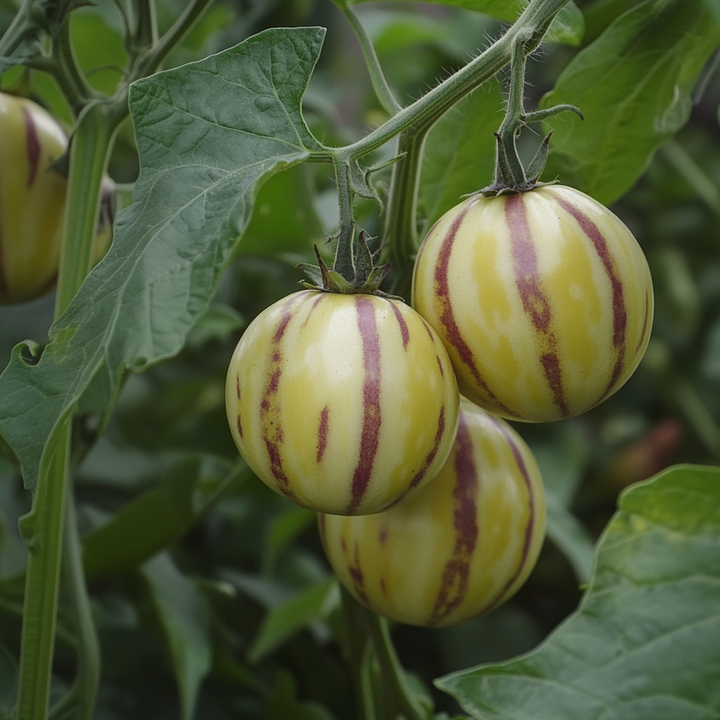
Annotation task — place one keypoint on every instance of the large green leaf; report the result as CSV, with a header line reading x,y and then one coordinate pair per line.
x,y
633,86
645,642
208,134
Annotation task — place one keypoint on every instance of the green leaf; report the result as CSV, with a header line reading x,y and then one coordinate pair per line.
x,y
460,151
218,322
645,642
184,615
285,528
304,609
633,86
281,702
208,134
284,220
157,518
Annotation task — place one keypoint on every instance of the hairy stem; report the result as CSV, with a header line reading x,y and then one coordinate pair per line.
x,y
425,111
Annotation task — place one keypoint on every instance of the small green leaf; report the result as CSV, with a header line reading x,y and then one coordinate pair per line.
x,y
184,615
645,642
304,609
281,702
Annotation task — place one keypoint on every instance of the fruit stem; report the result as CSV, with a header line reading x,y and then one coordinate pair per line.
x,y
382,690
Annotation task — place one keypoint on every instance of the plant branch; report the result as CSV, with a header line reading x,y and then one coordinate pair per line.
x,y
425,111
21,27
66,71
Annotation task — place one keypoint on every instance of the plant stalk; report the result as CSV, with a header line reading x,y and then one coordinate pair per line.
x,y
42,583
377,78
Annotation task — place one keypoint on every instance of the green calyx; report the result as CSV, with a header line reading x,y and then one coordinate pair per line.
x,y
510,174
351,273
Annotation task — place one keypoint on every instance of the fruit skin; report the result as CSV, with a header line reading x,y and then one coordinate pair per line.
x,y
461,547
344,403
543,299
32,199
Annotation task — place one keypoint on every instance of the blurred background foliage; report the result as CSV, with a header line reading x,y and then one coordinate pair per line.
x,y
211,594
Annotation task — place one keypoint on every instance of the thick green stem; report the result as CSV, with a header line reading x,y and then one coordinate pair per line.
x,y
41,588
344,262
401,236
90,149
88,157
508,168
382,89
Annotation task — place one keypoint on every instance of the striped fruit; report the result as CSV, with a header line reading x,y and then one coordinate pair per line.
x,y
346,404
32,199
543,299
461,547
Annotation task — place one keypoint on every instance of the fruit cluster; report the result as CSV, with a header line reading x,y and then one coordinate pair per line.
x,y
432,508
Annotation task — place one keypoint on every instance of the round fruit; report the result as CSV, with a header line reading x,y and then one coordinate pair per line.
x,y
543,299
344,403
461,547
32,199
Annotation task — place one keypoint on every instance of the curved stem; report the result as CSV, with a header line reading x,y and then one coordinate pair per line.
x,y
146,23
425,111
379,83
155,55
19,29
66,71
